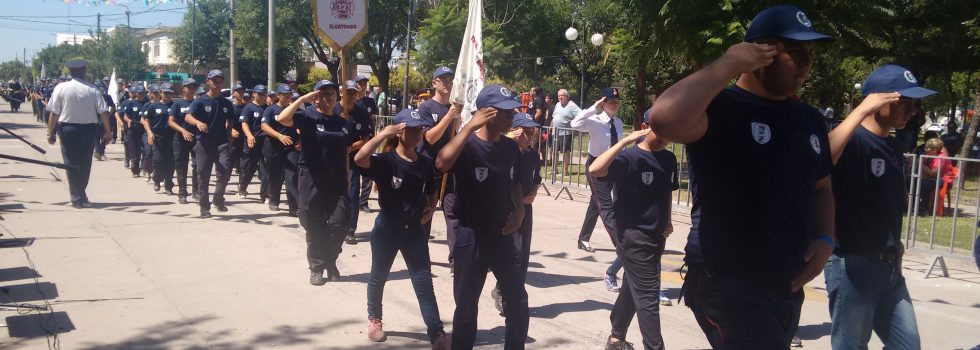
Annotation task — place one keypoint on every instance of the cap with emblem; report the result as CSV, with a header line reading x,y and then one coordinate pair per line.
x,y
260,89
523,120
783,21
892,78
215,73
284,89
154,88
441,71
237,87
139,88
411,118
360,78
166,87
351,85
191,82
496,96
247,93
323,84
610,93
120,81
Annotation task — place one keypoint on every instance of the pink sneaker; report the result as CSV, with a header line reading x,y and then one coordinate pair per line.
x,y
375,331
444,342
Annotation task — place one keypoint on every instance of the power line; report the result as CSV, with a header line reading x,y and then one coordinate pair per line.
x,y
150,10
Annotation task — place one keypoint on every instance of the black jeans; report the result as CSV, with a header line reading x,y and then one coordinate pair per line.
x,y
741,314
274,156
252,161
182,153
474,253
640,292
77,145
146,155
366,186
600,205
387,239
452,222
323,213
163,160
291,172
210,155
134,147
354,194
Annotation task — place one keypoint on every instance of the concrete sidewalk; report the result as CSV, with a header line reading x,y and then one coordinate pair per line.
x,y
139,271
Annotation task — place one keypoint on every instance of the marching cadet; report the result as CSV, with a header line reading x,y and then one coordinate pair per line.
x,y
363,129
184,140
160,138
100,145
212,115
130,111
279,148
250,120
489,208
440,113
325,137
405,180
642,179
146,161
372,108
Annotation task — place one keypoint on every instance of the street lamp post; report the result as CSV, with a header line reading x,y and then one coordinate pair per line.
x,y
571,34
850,105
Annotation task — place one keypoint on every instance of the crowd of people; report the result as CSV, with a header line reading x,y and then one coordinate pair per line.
x,y
796,207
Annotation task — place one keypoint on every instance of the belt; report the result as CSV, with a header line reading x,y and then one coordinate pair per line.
x,y
888,254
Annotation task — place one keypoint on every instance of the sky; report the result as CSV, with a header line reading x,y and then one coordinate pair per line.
x,y
32,24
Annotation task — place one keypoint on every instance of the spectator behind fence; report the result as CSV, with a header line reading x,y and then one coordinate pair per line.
x,y
933,169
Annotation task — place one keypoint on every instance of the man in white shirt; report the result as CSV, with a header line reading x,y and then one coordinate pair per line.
x,y
604,129
561,122
76,107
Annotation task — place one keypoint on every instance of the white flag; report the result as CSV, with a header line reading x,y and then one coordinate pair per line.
x,y
114,88
470,72
44,75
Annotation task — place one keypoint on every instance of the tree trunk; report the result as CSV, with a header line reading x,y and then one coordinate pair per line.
x,y
640,98
971,133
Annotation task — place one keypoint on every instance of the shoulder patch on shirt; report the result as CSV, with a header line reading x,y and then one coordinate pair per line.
x,y
396,183
255,114
159,111
761,133
207,109
646,177
877,167
815,143
481,173
319,127
224,109
344,129
435,117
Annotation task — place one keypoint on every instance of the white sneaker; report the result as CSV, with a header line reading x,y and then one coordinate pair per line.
x,y
664,300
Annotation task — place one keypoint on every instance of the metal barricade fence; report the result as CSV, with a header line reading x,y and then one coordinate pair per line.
x,y
943,207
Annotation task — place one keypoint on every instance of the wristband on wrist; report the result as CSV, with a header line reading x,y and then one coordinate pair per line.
x,y
826,239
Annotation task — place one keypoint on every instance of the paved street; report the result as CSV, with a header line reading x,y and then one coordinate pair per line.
x,y
139,271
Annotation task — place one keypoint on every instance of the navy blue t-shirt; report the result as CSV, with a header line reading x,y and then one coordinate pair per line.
x,y
530,171
177,111
252,115
369,105
269,117
131,108
108,102
485,174
238,112
431,111
753,174
360,121
869,193
215,112
325,140
157,114
403,186
642,183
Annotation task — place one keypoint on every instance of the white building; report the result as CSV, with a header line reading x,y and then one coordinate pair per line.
x,y
71,39
158,45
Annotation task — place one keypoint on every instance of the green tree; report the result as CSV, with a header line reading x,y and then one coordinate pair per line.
x,y
14,70
202,39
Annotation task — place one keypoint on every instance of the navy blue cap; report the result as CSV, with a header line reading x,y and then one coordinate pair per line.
x,y
215,73
260,89
441,71
139,88
191,81
892,78
237,87
284,89
101,86
323,84
76,64
360,78
154,88
166,87
783,21
411,118
496,96
610,93
120,81
351,85
247,93
523,120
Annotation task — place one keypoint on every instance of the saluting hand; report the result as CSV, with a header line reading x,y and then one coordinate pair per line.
x,y
308,97
599,104
482,117
636,135
392,130
874,102
816,257
747,57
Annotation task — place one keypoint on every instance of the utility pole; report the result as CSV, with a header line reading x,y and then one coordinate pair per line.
x,y
129,46
233,52
98,26
272,44
408,50
193,34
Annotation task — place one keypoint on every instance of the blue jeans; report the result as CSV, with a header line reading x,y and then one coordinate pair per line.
x,y
387,239
615,266
869,293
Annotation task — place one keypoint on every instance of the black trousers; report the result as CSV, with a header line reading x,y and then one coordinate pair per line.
x,y
640,292
324,214
99,141
163,160
291,172
475,253
274,156
183,151
252,161
737,313
354,194
366,185
77,145
146,160
452,222
600,206
134,148
210,155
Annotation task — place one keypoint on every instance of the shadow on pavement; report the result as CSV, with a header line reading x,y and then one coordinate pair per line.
x,y
17,273
553,310
813,331
544,280
39,324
